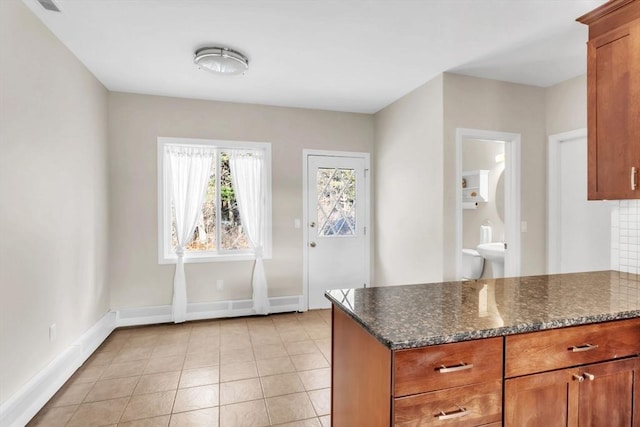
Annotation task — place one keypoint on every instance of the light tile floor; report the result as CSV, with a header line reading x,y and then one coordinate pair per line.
x,y
256,371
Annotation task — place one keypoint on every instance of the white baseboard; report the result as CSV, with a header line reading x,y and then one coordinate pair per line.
x,y
24,404
206,310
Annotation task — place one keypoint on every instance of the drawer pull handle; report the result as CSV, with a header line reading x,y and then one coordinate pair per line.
x,y
458,413
457,368
584,347
634,178
584,376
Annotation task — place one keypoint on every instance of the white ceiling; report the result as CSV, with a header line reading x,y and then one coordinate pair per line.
x,y
344,55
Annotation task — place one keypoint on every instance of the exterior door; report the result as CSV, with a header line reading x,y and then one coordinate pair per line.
x,y
337,215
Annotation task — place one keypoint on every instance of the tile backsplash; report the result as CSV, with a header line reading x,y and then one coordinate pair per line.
x,y
625,242
625,253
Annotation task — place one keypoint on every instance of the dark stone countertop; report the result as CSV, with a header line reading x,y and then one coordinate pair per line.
x,y
412,316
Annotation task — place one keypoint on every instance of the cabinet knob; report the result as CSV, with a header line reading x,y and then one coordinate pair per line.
x,y
584,376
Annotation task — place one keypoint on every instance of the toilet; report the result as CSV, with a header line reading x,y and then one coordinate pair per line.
x,y
472,264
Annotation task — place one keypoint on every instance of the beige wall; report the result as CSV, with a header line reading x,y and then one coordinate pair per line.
x,y
408,188
476,103
415,173
57,172
53,220
135,122
566,105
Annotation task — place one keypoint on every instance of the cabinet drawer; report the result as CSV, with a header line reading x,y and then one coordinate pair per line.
x,y
462,406
562,348
448,365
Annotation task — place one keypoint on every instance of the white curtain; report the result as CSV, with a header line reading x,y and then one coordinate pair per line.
x,y
189,169
247,168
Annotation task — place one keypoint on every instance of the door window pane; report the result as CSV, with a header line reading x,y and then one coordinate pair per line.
x,y
336,189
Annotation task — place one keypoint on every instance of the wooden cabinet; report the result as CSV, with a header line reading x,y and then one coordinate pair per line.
x,y
472,405
613,97
458,384
360,375
569,376
610,394
604,394
586,375
442,366
562,348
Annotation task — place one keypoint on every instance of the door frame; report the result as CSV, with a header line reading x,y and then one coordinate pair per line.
x,y
304,306
512,195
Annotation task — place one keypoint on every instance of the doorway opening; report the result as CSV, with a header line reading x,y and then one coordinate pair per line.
x,y
497,224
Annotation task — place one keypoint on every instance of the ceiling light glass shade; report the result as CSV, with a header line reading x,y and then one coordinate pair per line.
x,y
221,60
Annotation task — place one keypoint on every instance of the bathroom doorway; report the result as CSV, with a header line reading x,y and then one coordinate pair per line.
x,y
488,200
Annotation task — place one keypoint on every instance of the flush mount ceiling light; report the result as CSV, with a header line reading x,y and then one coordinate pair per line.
x,y
221,60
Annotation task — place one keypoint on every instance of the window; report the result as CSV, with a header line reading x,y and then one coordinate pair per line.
x,y
219,234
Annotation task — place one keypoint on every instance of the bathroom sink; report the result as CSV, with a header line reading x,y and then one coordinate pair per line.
x,y
494,253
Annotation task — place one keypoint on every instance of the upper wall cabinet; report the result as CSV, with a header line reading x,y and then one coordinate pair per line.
x,y
613,81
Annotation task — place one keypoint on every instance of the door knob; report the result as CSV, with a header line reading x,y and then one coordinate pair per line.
x,y
312,244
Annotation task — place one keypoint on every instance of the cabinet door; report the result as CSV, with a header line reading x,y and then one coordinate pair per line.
x,y
600,394
610,398
614,113
548,399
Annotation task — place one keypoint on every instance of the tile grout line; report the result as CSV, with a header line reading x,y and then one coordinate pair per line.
x,y
299,321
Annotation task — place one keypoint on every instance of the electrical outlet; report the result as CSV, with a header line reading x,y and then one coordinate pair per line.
x,y
53,333
220,284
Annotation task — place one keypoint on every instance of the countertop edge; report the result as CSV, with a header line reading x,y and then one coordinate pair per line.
x,y
487,333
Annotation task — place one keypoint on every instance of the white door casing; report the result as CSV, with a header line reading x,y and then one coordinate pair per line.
x,y
579,231
336,223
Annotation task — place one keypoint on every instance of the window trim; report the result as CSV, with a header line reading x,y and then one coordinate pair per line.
x,y
165,254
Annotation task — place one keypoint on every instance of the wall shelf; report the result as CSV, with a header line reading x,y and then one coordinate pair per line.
x,y
475,186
